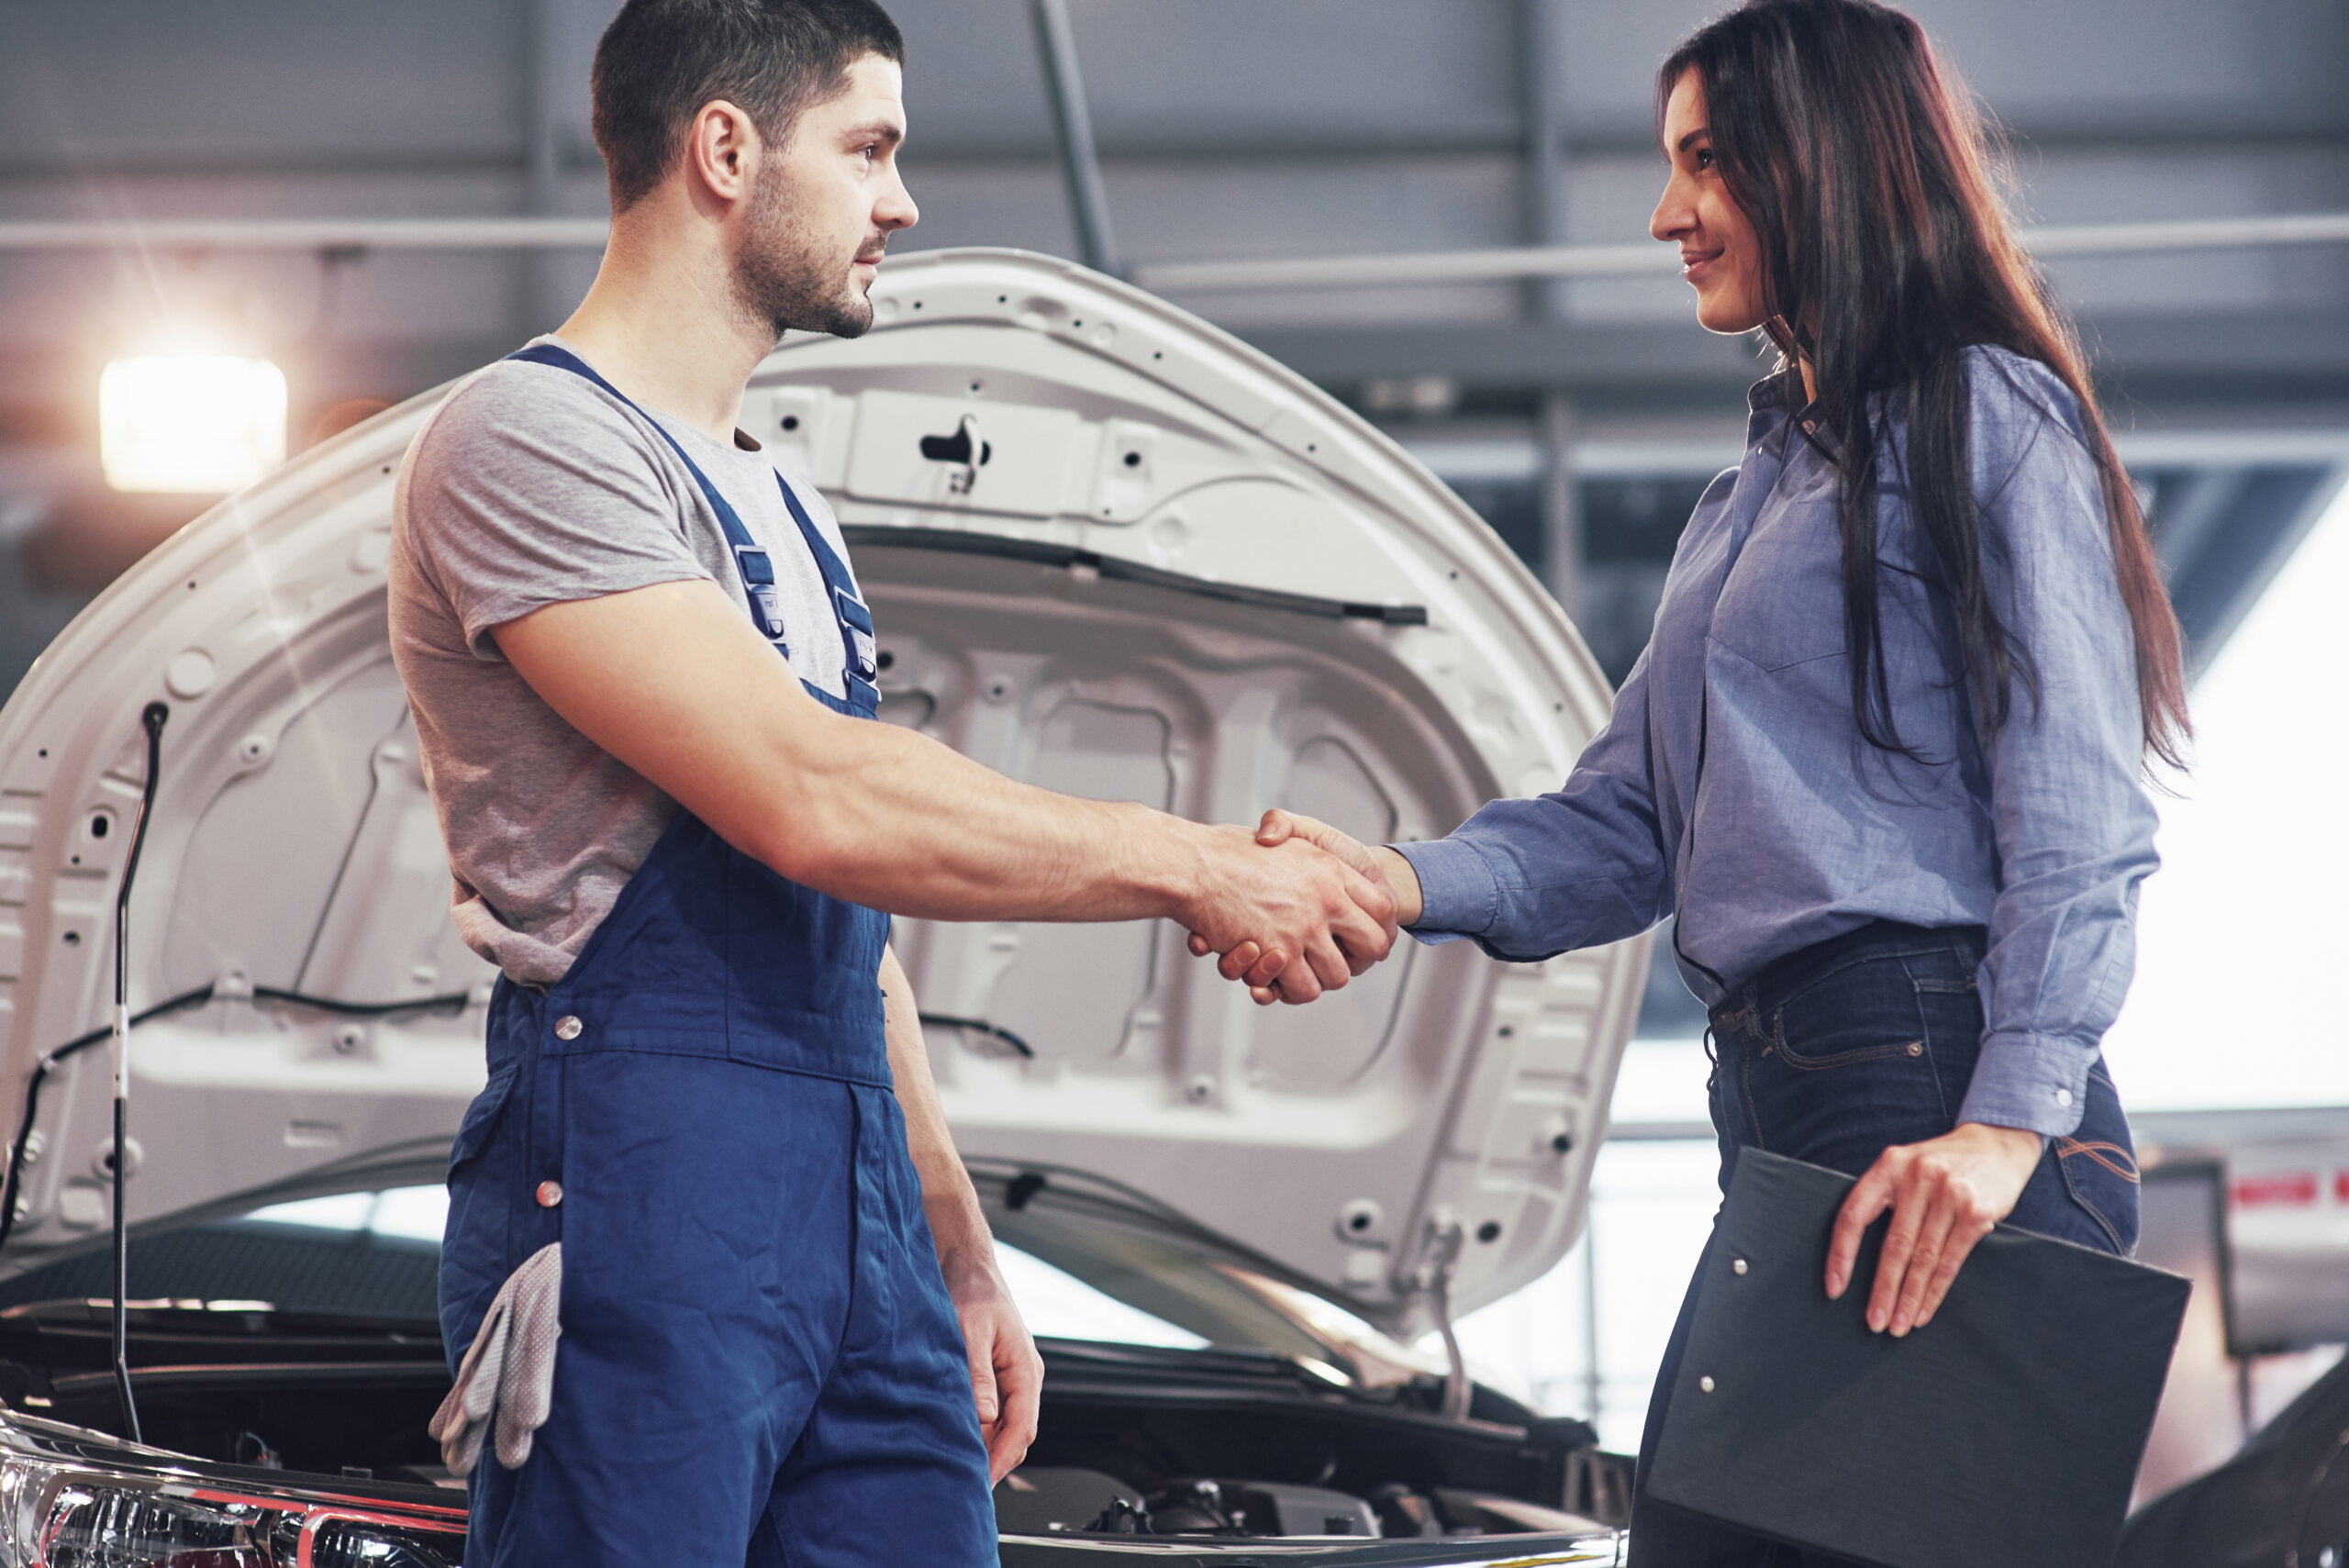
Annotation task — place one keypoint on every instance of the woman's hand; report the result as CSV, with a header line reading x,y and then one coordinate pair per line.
x,y
1946,1194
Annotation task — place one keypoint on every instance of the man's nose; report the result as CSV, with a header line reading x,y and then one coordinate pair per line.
x,y
896,210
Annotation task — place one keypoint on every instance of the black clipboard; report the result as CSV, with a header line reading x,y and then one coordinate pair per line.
x,y
2006,1431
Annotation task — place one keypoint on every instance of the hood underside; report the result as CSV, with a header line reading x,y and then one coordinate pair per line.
x,y
1112,552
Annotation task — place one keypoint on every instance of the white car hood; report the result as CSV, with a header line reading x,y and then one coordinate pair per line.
x,y
1173,572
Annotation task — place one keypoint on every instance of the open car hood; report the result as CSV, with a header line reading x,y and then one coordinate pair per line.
x,y
1111,551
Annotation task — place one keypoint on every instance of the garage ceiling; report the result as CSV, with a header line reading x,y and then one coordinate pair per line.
x,y
1227,129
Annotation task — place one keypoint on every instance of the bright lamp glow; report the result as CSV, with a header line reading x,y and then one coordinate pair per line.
x,y
190,423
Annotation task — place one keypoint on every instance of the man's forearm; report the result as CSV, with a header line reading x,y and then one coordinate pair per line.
x,y
895,820
672,681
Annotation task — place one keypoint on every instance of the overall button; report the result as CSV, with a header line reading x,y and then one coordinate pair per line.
x,y
567,1028
549,1193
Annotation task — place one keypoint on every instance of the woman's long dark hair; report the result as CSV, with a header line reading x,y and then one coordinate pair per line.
x,y
1885,254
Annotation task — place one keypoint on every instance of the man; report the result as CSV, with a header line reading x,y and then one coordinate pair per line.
x,y
782,1335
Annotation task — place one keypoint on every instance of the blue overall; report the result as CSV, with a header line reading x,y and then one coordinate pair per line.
x,y
760,1362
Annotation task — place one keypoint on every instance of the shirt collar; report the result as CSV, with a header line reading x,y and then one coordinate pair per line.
x,y
1769,403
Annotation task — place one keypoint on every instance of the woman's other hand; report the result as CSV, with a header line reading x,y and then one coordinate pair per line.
x,y
1258,968
1945,1194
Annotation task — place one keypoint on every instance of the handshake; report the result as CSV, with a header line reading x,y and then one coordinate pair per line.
x,y
1299,908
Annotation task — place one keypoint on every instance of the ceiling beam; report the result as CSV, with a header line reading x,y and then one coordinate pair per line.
x,y
1507,263
2268,356
935,147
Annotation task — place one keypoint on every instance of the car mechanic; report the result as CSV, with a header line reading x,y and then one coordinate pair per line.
x,y
643,676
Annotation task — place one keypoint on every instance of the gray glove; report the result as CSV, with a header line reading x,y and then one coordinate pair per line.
x,y
508,1370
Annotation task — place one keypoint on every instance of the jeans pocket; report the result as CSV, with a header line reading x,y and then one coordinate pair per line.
x,y
1859,1060
2100,1176
1810,1058
1868,1012
2100,1164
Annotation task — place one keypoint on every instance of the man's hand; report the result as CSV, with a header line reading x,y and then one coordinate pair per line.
x,y
1261,961
1311,920
1007,1374
1945,1194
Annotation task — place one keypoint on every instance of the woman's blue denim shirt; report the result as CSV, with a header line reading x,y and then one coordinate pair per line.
x,y
1799,829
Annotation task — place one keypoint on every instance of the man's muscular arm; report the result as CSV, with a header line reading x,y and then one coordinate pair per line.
x,y
672,681
1007,1374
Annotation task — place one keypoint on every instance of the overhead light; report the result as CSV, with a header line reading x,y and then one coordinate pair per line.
x,y
1428,396
190,424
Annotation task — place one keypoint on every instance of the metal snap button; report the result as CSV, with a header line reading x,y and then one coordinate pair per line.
x,y
1737,1265
549,1193
567,1028
1916,1048
1705,1383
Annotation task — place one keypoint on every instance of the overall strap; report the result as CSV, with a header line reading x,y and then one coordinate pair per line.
x,y
856,620
749,558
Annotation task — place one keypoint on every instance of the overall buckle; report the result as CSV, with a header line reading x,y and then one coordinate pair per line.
x,y
758,581
856,629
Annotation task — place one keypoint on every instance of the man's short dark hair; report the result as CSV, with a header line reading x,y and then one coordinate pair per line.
x,y
661,59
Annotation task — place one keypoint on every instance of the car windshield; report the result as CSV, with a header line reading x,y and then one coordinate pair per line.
x,y
1077,1275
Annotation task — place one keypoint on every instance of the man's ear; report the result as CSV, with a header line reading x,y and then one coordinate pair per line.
x,y
722,149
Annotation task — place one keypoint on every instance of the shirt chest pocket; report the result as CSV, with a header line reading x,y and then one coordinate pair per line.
x,y
1783,602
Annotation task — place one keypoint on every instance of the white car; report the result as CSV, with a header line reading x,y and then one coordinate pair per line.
x,y
1111,551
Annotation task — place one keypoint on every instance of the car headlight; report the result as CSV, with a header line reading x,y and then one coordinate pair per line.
x,y
88,1509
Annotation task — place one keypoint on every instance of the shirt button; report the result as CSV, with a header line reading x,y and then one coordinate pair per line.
x,y
2063,1096
1705,1383
567,1028
1737,1265
549,1193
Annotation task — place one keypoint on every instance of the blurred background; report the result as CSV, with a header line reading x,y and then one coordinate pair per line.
x,y
140,140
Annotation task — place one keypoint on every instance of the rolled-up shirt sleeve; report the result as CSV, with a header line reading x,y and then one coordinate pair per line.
x,y
1582,865
2069,813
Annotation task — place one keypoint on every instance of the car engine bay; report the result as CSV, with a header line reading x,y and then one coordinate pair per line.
x,y
1135,1441
1052,1499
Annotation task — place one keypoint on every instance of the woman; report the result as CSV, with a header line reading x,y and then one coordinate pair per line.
x,y
1882,757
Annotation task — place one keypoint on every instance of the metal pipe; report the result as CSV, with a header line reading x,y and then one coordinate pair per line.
x,y
150,718
1499,265
544,80
1562,543
1542,32
309,234
1088,203
1594,1382
1502,264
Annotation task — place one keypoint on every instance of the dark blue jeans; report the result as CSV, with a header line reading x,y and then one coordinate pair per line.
x,y
1832,1055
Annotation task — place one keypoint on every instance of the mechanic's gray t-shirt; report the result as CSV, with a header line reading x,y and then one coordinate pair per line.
x,y
532,486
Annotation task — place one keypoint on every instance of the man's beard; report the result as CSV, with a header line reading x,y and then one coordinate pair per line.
x,y
781,279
